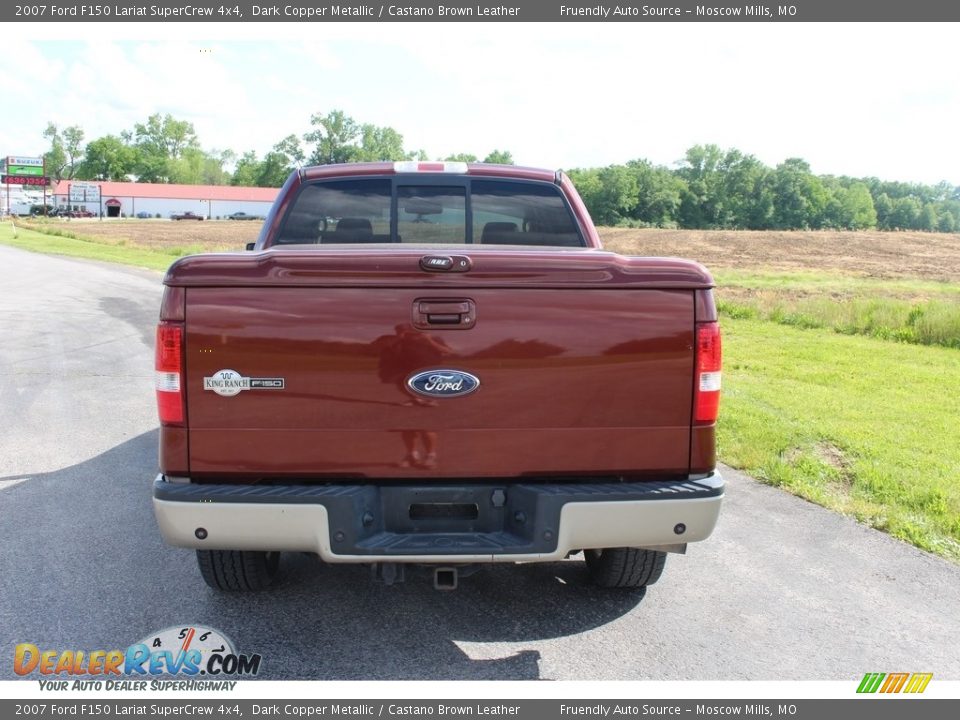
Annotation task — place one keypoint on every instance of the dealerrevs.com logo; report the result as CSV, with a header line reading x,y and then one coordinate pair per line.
x,y
189,652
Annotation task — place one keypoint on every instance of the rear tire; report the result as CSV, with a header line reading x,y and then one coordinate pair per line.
x,y
625,567
238,570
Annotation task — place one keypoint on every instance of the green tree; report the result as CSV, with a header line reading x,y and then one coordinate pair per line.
x,y
499,157
215,163
380,143
610,194
107,158
833,214
290,147
247,170
461,157
167,150
335,137
186,168
947,222
587,182
276,166
273,170
928,218
859,211
702,202
759,213
884,207
63,158
905,213
659,193
743,197
800,198
167,135
339,138
849,204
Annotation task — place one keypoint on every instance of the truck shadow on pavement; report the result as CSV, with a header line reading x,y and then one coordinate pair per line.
x,y
88,570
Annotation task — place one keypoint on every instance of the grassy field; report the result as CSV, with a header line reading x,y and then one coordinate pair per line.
x,y
868,254
893,286
865,426
73,245
164,236
841,352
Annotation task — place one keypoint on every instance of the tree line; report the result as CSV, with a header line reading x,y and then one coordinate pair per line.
x,y
709,188
726,189
166,150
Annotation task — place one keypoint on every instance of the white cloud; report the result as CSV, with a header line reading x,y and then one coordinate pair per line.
x,y
856,99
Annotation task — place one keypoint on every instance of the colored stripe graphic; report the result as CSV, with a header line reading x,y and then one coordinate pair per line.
x,y
870,682
894,682
918,683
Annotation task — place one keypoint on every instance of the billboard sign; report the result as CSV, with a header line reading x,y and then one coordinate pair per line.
x,y
24,166
84,192
37,181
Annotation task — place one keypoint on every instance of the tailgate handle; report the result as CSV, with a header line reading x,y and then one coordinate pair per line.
x,y
450,314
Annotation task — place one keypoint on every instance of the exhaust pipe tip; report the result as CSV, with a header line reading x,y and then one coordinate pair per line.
x,y
445,578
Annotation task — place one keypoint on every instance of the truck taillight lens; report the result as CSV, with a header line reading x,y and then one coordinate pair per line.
x,y
169,367
706,393
412,166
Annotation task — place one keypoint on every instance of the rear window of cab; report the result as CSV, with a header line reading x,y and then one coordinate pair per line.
x,y
442,211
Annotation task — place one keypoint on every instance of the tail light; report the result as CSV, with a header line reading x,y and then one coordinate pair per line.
x,y
169,367
706,395
412,166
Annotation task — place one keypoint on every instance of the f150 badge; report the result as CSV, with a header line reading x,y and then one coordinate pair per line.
x,y
443,383
229,383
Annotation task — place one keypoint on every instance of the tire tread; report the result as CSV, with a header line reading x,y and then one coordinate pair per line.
x,y
625,567
236,570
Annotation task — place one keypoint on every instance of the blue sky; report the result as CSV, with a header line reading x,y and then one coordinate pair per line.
x,y
872,99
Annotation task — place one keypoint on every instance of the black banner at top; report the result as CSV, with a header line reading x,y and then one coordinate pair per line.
x,y
324,11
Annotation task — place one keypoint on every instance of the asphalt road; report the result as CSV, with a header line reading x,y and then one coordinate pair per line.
x,y
783,590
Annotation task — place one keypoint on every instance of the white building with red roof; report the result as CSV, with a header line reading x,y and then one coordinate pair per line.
x,y
128,199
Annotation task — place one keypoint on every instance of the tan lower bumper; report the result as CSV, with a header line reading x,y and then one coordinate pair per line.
x,y
299,527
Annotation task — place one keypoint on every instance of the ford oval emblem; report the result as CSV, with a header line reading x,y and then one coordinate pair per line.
x,y
443,383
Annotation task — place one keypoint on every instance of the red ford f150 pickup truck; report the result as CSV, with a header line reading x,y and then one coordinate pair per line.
x,y
435,363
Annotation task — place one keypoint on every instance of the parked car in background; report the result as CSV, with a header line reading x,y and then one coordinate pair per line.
x,y
188,215
79,214
243,216
143,215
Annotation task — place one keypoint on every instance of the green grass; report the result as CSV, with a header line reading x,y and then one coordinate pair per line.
x,y
904,310
860,425
927,323
824,282
59,242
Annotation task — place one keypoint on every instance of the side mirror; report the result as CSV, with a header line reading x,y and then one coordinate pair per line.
x,y
250,246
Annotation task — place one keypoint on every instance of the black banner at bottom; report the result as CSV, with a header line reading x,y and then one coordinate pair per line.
x,y
874,707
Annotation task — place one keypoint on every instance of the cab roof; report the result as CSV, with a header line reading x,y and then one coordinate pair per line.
x,y
429,168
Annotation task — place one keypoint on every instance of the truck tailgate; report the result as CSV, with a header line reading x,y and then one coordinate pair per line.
x,y
572,380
